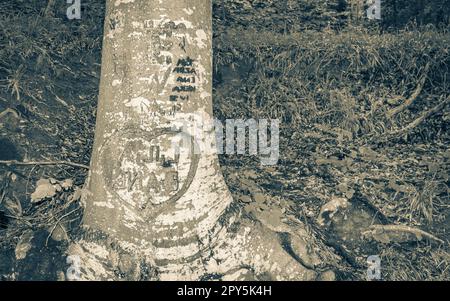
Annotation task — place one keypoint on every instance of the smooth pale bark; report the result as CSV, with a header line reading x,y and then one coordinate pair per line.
x,y
150,212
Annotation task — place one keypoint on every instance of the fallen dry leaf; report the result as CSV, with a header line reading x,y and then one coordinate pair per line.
x,y
44,189
24,245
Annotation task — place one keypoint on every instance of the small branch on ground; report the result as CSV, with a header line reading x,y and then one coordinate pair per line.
x,y
13,112
413,124
408,102
58,223
420,119
48,12
33,163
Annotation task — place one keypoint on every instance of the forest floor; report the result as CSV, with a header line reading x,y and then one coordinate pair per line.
x,y
364,137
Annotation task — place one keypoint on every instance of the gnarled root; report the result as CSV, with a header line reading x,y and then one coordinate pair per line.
x,y
252,252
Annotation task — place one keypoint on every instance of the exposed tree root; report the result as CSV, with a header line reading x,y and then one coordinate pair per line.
x,y
411,126
68,163
252,252
11,111
408,102
400,233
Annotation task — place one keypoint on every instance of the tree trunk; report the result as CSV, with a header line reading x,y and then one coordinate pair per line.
x,y
157,206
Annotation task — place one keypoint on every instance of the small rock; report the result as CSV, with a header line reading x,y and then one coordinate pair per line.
x,y
245,199
331,208
67,184
59,233
302,249
310,213
327,276
259,197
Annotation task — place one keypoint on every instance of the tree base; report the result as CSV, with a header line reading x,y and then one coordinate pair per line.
x,y
245,250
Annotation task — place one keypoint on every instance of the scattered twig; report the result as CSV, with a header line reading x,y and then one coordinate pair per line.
x,y
19,218
13,112
413,96
15,162
48,12
418,120
4,188
57,223
399,233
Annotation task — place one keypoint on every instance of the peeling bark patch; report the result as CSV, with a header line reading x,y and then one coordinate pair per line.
x,y
163,34
119,2
116,23
201,38
188,11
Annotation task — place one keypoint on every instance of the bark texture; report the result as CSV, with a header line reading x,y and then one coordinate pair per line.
x,y
157,205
